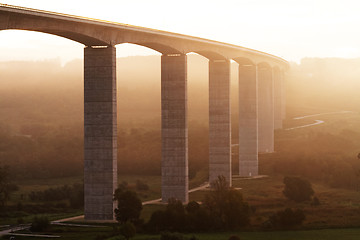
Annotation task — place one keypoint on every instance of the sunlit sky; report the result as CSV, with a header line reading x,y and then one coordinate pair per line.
x,y
292,29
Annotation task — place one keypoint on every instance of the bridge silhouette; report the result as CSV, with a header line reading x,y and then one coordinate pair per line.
x,y
261,100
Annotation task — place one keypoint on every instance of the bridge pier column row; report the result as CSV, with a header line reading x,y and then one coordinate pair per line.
x,y
256,124
261,111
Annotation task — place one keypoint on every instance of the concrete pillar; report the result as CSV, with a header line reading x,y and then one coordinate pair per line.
x,y
219,120
174,128
100,145
283,95
265,110
277,98
248,121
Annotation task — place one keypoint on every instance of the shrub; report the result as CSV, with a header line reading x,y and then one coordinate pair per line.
x,y
223,209
39,224
287,218
192,207
74,193
128,230
297,189
171,236
175,218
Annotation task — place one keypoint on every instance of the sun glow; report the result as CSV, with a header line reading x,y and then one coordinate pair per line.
x,y
289,29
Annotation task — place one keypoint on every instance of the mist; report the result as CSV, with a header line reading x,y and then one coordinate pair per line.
x,y
43,101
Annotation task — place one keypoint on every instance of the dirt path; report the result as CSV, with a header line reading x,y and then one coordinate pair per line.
x,y
158,201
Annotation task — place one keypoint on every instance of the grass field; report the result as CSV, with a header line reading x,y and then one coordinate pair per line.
x,y
338,208
338,215
326,234
79,233
154,183
26,187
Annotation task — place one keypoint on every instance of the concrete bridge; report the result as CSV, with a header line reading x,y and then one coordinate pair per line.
x,y
261,100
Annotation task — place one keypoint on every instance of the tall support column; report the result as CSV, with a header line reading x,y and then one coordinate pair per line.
x,y
277,99
265,110
219,120
100,143
283,95
174,128
248,121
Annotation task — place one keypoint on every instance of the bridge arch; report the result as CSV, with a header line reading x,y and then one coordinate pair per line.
x,y
210,55
79,34
40,32
160,48
242,61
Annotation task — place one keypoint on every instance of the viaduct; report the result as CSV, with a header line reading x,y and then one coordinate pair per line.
x,y
261,100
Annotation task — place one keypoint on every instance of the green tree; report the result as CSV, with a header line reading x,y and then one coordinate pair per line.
x,y
197,217
192,207
297,189
175,215
128,230
129,206
226,205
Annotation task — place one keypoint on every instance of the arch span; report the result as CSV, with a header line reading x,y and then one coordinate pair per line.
x,y
242,61
81,33
210,55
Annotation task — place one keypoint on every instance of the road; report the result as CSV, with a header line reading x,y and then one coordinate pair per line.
x,y
317,122
14,229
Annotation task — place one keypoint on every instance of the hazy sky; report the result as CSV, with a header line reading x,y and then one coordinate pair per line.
x,y
291,29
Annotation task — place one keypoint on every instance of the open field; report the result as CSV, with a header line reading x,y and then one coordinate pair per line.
x,y
79,233
154,183
337,217
338,208
326,234
26,187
